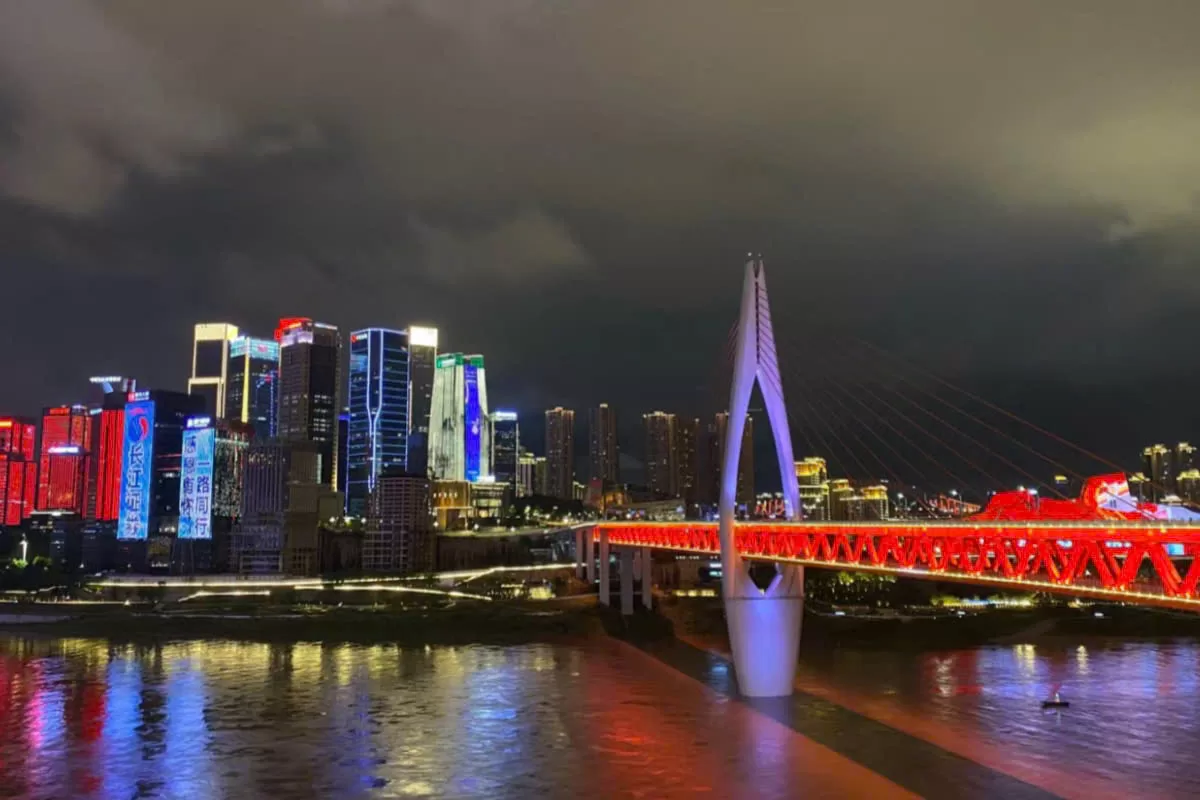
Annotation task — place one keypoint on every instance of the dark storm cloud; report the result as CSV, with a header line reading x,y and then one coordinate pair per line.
x,y
1010,183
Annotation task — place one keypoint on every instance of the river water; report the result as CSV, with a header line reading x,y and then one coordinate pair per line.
x,y
595,719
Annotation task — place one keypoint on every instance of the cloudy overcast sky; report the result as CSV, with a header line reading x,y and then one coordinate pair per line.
x,y
1005,191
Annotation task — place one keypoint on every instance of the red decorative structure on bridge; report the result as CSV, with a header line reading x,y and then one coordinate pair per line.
x,y
1145,563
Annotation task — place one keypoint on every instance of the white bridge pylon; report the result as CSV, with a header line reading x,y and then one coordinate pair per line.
x,y
764,624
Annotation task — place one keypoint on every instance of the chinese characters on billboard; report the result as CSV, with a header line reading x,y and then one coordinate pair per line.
x,y
195,484
137,455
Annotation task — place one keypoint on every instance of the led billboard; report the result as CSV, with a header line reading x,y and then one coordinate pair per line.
x,y
137,470
195,483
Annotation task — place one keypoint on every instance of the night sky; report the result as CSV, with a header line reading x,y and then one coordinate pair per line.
x,y
1003,192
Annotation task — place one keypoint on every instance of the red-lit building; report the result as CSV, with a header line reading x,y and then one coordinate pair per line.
x,y
63,459
18,469
110,438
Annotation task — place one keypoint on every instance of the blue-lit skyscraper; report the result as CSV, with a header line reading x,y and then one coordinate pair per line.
x,y
378,402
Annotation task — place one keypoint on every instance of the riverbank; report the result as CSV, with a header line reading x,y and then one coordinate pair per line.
x,y
494,623
925,631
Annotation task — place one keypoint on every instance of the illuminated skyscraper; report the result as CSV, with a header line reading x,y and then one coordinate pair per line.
x,y
560,453
813,478
506,448
63,459
252,385
309,366
662,476
603,451
422,364
527,478
18,469
378,398
152,462
210,364
460,441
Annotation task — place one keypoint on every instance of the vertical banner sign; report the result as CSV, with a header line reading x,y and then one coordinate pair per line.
x,y
137,457
195,484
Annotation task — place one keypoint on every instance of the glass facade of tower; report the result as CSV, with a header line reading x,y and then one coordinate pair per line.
x,y
377,434
506,446
460,438
422,364
252,385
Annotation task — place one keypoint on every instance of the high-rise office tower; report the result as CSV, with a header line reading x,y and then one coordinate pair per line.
x,y
309,369
745,485
422,365
151,461
106,398
210,364
662,476
1185,461
687,459
399,529
560,453
603,451
460,440
18,469
378,400
252,380
63,457
506,448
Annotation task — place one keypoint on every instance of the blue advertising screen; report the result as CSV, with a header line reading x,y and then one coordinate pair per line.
x,y
195,484
137,470
474,414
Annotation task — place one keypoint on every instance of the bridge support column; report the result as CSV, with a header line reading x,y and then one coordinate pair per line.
x,y
581,541
764,634
626,567
589,558
604,572
647,578
764,624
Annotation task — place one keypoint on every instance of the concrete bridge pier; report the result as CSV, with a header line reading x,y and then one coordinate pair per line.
x,y
626,568
604,570
589,558
582,541
647,564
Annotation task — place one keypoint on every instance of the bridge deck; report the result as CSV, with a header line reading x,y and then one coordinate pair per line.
x,y
1147,564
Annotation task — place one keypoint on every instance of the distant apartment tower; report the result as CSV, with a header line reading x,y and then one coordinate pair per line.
x,y
399,531
460,441
662,476
506,448
603,451
63,457
378,395
18,469
422,365
745,482
252,381
309,369
560,453
210,364
527,474
687,459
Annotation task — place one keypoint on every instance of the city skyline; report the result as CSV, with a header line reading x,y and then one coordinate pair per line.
x,y
225,192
